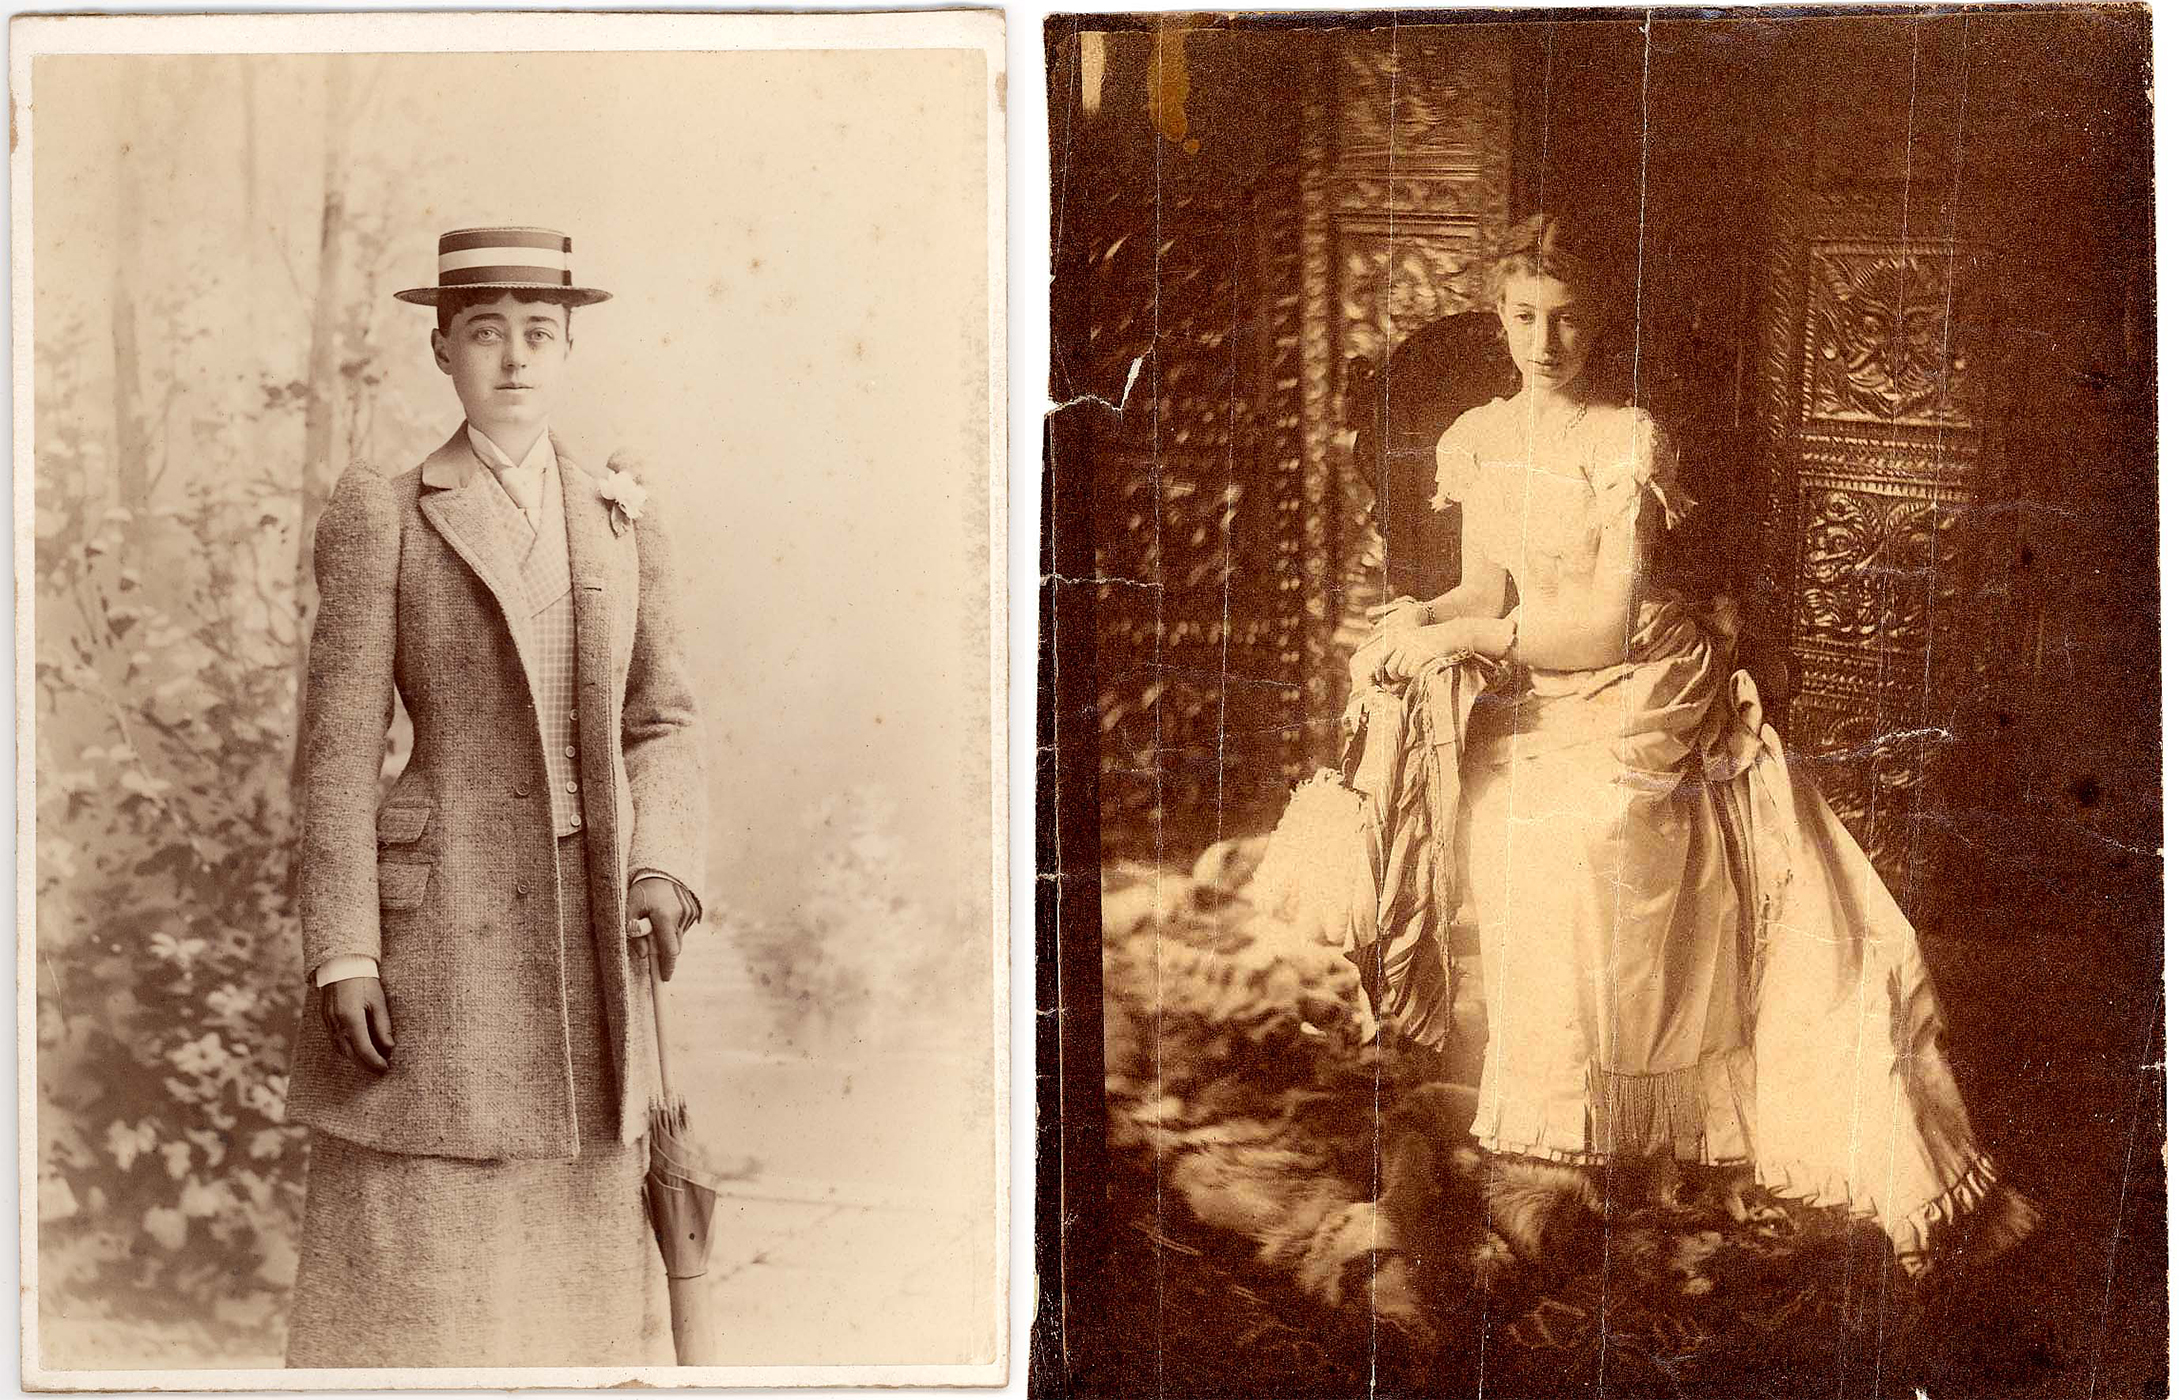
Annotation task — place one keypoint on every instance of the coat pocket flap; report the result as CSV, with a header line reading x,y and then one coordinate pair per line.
x,y
397,826
401,884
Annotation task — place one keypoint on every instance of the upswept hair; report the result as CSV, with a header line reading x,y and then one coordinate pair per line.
x,y
1549,245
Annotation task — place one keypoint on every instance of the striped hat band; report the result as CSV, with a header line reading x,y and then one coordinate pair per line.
x,y
513,258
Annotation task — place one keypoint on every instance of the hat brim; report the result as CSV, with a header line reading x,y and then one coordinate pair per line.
x,y
539,291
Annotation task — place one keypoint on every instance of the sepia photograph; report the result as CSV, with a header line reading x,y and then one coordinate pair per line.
x,y
510,557
1600,815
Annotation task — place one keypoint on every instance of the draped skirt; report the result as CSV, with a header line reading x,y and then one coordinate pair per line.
x,y
1682,949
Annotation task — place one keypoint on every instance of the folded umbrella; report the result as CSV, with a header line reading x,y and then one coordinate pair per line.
x,y
682,1192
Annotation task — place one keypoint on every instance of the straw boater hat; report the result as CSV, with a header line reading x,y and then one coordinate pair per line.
x,y
506,259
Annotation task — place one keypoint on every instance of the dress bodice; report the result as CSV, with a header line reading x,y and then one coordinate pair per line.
x,y
1542,501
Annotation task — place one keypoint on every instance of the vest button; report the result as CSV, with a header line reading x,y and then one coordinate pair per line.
x,y
522,789
574,821
522,889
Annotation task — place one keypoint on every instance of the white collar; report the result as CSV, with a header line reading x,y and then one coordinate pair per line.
x,y
539,457
525,484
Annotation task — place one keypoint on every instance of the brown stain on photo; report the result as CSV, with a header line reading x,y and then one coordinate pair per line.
x,y
1168,82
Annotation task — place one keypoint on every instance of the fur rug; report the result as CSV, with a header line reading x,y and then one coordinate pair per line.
x,y
1245,1109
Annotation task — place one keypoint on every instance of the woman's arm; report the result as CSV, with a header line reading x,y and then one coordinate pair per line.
x,y
661,739
1406,639
347,706
1481,592
1582,626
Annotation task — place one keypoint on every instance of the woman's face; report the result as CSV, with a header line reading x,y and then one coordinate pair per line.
x,y
1549,331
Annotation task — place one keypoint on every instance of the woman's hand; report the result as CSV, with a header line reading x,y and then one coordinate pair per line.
x,y
1410,649
656,912
355,1016
1400,613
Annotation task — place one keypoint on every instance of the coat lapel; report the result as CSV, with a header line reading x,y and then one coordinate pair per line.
x,y
458,500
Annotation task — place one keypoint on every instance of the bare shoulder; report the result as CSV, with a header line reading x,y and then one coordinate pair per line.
x,y
1635,423
1620,418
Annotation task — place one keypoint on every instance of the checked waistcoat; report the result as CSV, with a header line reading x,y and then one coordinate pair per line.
x,y
546,637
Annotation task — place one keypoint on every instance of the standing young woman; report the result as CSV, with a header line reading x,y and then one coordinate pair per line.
x,y
1685,957
479,1074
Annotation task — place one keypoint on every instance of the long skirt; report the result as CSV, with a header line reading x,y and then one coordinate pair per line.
x,y
436,1261
1683,951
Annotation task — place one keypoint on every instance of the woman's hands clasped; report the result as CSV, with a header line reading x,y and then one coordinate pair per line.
x,y
1406,639
1409,649
1399,613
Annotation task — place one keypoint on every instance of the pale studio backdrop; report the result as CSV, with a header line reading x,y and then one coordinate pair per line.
x,y
798,350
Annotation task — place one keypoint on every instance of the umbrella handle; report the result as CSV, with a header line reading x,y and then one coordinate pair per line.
x,y
658,1012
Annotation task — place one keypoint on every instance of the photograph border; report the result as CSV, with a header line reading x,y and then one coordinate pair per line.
x,y
1070,1167
440,32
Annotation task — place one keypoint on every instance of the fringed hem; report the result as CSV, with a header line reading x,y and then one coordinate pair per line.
x,y
1700,1113
1910,1230
1560,1156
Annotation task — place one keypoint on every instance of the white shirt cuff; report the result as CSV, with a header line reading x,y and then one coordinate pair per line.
x,y
343,966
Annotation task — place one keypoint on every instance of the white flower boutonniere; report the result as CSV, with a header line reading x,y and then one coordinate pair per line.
x,y
625,495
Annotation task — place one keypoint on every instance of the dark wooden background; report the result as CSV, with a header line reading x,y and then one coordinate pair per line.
x,y
1894,280
1895,293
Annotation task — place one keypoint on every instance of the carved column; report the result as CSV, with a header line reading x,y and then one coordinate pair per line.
x,y
1179,313
1872,338
1321,473
1423,175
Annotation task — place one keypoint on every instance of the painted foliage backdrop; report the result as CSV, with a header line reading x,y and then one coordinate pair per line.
x,y
797,347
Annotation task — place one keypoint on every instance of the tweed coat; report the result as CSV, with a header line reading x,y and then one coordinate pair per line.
x,y
451,882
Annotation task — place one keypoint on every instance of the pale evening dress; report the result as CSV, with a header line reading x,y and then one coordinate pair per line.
x,y
1681,948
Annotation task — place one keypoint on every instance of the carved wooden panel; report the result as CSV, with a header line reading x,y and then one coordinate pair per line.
x,y
1874,569
1870,770
1323,493
1891,334
1872,394
1419,182
1424,98
1231,275
1179,298
1882,573
1391,285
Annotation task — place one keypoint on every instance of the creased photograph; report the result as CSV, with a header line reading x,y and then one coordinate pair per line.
x,y
510,519
1600,656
